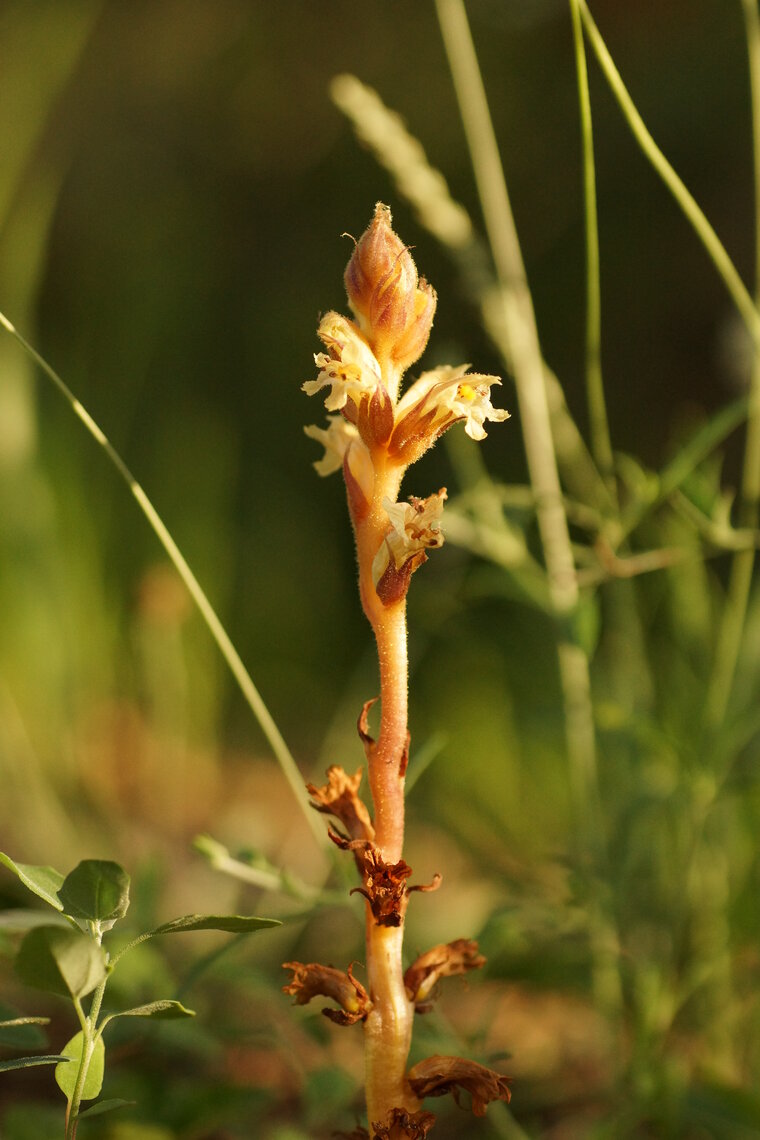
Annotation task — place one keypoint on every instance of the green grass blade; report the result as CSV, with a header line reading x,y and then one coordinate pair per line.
x,y
218,632
601,445
694,213
731,631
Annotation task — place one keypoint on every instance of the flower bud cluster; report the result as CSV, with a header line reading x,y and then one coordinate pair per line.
x,y
373,433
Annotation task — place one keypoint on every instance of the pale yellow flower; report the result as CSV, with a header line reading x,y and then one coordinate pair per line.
x,y
415,526
336,439
452,394
349,367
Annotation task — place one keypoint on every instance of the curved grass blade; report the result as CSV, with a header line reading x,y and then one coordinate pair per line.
x,y
693,212
218,632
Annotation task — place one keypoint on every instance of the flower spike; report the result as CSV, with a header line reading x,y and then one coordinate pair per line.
x,y
373,434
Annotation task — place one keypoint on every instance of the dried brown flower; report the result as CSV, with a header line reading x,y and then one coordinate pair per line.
x,y
384,887
402,1125
339,797
438,1075
383,884
312,980
442,961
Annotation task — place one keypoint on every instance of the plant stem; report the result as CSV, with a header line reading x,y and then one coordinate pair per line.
x,y
527,366
742,565
388,1028
89,1033
601,445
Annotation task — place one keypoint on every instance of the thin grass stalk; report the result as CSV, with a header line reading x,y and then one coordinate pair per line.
x,y
601,444
221,637
528,370
743,562
530,381
685,199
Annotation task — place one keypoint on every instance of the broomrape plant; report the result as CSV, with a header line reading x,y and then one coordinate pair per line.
x,y
373,435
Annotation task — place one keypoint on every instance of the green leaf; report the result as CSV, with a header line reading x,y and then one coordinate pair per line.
x,y
105,1106
42,881
28,1062
66,1074
60,961
164,1008
230,923
96,890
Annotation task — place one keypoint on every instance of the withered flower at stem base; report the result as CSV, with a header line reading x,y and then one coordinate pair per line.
x,y
312,980
403,1125
399,1125
438,1075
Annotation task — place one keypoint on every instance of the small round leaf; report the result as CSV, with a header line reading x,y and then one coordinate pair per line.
x,y
96,890
66,1074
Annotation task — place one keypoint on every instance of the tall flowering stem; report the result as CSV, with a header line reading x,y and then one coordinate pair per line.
x,y
373,434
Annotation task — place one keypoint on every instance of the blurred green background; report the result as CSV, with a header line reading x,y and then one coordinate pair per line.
x,y
174,185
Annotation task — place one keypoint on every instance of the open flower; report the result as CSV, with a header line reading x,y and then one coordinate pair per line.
x,y
336,439
435,402
349,367
415,527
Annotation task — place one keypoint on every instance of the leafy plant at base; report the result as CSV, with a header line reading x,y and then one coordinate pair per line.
x,y
66,956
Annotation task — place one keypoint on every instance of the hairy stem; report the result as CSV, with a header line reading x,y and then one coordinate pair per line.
x,y
89,1027
388,1028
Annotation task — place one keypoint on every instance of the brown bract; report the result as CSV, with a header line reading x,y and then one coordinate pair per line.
x,y
393,584
442,961
374,420
438,1075
312,980
339,797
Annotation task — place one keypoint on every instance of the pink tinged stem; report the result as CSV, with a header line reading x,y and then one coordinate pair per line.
x,y
388,1028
